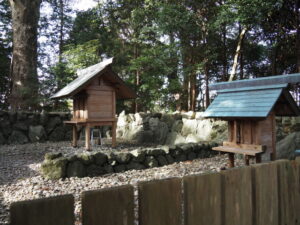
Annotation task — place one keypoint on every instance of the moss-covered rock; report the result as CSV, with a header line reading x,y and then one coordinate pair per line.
x,y
54,169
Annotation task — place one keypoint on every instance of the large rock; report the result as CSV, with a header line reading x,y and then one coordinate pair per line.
x,y
17,137
189,127
138,155
177,126
150,162
54,169
37,133
174,138
100,158
123,158
2,139
53,122
285,148
58,134
21,126
160,130
5,126
76,169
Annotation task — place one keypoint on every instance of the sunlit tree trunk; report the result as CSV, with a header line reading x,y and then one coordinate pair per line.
x,y
24,92
237,53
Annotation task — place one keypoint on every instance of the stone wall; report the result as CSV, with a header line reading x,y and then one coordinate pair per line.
x,y
56,165
170,129
23,127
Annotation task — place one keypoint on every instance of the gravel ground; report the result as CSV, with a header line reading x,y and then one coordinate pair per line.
x,y
20,179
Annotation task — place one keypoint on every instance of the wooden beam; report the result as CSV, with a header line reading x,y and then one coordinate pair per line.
x,y
260,148
74,143
281,79
87,137
236,150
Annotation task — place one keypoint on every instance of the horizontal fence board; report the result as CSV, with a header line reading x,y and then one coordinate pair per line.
x,y
266,194
287,193
111,206
203,200
237,193
297,167
57,210
160,202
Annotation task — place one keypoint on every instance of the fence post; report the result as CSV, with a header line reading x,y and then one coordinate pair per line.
x,y
237,194
202,199
265,185
110,206
57,210
286,192
160,202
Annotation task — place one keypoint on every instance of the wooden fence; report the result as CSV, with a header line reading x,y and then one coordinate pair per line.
x,y
263,194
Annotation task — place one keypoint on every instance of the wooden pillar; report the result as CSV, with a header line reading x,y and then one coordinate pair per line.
x,y
247,159
231,160
74,143
258,158
87,137
114,134
273,154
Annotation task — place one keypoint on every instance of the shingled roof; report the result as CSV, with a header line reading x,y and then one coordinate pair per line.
x,y
252,102
88,74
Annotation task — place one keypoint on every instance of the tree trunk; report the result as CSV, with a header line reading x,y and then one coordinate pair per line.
x,y
225,64
25,17
206,73
61,29
237,53
297,8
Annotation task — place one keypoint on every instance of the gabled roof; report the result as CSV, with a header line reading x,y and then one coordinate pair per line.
x,y
250,102
262,81
88,74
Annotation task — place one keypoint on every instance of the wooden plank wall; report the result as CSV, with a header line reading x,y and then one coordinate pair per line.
x,y
101,100
255,195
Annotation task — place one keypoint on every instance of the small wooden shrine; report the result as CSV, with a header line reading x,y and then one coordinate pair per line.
x,y
94,95
250,107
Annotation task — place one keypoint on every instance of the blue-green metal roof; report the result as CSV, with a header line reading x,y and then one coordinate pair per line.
x,y
245,102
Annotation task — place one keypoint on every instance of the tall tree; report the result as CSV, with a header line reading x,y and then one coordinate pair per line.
x,y
24,80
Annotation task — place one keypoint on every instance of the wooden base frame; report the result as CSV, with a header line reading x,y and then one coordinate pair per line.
x,y
88,125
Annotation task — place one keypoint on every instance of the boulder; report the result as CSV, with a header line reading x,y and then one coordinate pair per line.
x,y
2,139
52,123
155,151
21,116
170,159
108,169
76,169
52,156
100,158
191,156
177,126
135,166
44,118
138,155
150,162
5,126
189,127
22,126
17,137
86,158
123,158
120,168
37,133
54,169
58,134
174,138
285,149
162,161
144,136
94,170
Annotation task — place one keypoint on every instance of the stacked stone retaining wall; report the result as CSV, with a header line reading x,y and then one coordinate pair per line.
x,y
56,165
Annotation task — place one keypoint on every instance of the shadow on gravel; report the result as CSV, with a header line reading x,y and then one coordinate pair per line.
x,y
16,164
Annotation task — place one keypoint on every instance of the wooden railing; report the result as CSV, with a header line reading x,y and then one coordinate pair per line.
x,y
263,194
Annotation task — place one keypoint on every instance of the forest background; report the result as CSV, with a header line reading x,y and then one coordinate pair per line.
x,y
168,51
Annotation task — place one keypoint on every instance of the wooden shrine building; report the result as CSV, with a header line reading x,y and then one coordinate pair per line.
x,y
250,107
94,95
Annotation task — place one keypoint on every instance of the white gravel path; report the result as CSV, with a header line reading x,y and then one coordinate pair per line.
x,y
20,179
